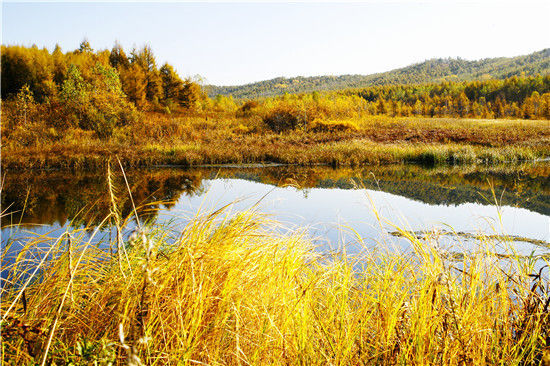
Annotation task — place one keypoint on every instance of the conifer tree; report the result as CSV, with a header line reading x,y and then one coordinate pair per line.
x,y
85,46
59,64
381,107
172,85
146,60
191,94
134,84
118,58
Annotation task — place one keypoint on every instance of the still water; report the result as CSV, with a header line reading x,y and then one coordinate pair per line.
x,y
335,207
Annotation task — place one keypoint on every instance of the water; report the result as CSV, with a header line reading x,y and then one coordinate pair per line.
x,y
336,206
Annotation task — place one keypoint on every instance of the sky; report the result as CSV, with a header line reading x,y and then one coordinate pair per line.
x,y
237,43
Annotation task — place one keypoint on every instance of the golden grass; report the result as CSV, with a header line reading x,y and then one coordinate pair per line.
x,y
230,289
195,140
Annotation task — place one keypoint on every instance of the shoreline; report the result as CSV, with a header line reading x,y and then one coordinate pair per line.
x,y
347,154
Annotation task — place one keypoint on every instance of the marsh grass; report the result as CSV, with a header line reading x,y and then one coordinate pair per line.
x,y
229,288
194,140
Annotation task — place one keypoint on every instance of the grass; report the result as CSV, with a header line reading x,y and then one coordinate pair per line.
x,y
192,141
230,289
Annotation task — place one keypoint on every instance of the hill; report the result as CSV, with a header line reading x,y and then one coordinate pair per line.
x,y
434,70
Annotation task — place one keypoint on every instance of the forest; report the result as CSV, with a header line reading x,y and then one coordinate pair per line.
x,y
430,71
90,90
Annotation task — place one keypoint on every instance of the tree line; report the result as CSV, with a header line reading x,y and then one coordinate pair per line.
x,y
90,89
514,97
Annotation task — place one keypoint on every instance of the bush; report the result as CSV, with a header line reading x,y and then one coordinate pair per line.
x,y
248,108
282,119
241,129
31,134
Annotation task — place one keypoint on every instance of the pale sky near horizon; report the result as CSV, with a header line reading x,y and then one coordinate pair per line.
x,y
236,43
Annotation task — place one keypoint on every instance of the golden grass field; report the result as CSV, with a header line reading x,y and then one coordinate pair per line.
x,y
190,141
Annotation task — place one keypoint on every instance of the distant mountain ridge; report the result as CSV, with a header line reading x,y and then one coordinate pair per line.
x,y
434,70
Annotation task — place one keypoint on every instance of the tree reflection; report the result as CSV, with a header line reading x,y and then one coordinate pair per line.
x,y
82,198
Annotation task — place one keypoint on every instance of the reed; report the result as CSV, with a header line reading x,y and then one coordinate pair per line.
x,y
231,288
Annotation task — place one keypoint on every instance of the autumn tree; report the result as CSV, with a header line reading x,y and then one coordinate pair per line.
x,y
172,85
85,46
60,66
24,104
381,107
30,66
146,60
118,58
134,85
190,94
98,104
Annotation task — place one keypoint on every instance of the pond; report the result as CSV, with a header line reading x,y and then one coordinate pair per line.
x,y
336,207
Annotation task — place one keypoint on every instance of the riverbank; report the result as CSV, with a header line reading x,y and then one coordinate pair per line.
x,y
192,141
228,289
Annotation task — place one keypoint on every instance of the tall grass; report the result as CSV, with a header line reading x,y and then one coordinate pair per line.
x,y
231,289
194,140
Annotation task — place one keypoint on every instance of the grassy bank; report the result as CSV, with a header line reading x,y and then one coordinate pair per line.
x,y
228,289
192,141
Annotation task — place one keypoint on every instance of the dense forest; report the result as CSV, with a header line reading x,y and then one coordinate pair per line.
x,y
431,71
515,97
527,97
91,90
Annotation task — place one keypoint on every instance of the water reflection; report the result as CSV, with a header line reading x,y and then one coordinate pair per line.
x,y
49,198
336,206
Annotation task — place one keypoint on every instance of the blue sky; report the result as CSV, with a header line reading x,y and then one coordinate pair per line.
x,y
236,43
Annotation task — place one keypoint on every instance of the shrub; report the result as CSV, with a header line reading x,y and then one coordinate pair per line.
x,y
241,129
248,108
282,119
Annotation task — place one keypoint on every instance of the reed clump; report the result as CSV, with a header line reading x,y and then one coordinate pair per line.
x,y
232,289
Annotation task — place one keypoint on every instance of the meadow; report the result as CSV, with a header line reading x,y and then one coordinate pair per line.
x,y
160,139
77,109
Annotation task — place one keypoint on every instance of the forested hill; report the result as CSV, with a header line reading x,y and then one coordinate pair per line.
x,y
435,70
